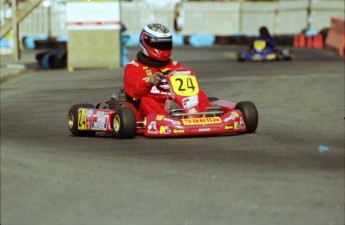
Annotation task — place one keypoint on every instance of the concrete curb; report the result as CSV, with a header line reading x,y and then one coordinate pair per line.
x,y
11,71
10,68
12,76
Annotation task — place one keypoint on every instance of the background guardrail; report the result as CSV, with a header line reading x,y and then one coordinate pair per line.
x,y
217,18
221,19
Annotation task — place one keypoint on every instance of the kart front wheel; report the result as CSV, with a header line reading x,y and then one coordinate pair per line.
x,y
124,123
287,54
284,54
73,121
240,57
250,114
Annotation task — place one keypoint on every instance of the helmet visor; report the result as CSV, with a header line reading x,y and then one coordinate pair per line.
x,y
160,43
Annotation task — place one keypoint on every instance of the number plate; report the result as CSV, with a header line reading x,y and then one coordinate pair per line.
x,y
259,45
184,85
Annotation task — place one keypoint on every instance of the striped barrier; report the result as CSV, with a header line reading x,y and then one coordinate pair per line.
x,y
336,36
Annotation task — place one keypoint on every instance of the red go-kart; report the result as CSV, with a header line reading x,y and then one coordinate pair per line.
x,y
184,118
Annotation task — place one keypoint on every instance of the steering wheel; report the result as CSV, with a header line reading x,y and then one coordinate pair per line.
x,y
162,83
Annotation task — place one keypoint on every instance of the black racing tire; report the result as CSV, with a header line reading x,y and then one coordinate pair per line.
x,y
279,55
73,121
284,54
240,58
250,113
287,54
124,123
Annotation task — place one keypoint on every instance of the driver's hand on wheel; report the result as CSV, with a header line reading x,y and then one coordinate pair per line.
x,y
155,78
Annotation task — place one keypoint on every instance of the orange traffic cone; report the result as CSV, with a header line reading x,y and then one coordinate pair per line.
x,y
318,41
295,41
301,40
310,43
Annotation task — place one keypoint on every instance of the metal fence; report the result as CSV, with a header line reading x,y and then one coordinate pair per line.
x,y
39,23
217,18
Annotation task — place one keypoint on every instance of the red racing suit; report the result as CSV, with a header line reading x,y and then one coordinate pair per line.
x,y
151,99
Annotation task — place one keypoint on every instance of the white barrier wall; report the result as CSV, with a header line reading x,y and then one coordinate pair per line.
x,y
136,15
323,11
210,18
217,18
292,17
257,14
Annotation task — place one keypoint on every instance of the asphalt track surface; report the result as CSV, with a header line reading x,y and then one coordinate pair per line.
x,y
290,172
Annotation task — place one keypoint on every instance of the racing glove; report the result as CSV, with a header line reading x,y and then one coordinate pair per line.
x,y
155,78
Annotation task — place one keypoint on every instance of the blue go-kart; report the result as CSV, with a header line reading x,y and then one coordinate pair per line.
x,y
261,52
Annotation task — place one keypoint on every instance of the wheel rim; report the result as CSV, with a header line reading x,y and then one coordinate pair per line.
x,y
70,121
116,123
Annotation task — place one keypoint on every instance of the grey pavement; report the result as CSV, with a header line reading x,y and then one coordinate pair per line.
x,y
11,68
277,175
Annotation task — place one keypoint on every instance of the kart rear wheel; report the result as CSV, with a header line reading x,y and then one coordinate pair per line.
x,y
73,121
250,114
124,123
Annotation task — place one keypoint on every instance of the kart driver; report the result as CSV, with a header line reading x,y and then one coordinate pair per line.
x,y
266,36
147,70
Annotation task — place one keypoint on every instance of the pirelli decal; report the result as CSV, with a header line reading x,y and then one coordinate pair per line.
x,y
205,120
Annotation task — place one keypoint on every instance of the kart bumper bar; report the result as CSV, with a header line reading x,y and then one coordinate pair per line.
x,y
168,126
212,111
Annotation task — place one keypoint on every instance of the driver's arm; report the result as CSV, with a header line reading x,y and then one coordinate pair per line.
x,y
135,82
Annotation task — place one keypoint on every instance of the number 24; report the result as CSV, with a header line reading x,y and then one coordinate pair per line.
x,y
189,85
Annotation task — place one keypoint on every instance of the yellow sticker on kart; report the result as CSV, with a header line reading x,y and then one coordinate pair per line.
x,y
204,120
271,56
184,85
82,113
257,57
